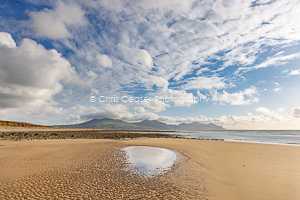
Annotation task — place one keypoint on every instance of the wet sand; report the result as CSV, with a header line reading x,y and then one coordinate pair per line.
x,y
80,169
90,168
237,170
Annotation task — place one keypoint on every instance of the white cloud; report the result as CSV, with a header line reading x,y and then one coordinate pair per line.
x,y
277,89
178,95
279,60
143,39
202,96
104,60
54,23
295,72
207,83
177,5
159,82
43,111
120,5
30,75
202,70
6,40
237,98
276,83
170,43
94,91
266,119
173,94
145,58
296,112
155,106
136,57
263,110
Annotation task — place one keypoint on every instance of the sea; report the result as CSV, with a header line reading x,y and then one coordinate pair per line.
x,y
291,137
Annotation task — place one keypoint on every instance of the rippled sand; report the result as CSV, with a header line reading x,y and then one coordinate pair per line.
x,y
95,169
80,169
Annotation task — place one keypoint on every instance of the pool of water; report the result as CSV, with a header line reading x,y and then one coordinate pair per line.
x,y
149,161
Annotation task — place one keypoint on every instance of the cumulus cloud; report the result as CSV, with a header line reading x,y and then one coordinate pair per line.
x,y
263,110
180,97
296,112
6,40
237,98
173,43
159,82
268,119
132,41
155,106
265,118
104,60
54,23
30,75
137,57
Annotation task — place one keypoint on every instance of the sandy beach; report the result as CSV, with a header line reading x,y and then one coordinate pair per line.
x,y
95,168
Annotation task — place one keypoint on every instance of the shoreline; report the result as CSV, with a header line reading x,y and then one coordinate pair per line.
x,y
19,133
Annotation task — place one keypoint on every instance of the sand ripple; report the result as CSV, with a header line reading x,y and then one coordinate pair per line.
x,y
94,171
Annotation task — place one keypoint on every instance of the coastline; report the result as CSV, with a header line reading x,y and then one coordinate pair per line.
x,y
21,133
212,169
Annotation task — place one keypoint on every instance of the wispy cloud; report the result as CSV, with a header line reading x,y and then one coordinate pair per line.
x,y
162,47
295,72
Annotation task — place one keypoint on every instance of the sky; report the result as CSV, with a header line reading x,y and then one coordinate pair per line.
x,y
234,63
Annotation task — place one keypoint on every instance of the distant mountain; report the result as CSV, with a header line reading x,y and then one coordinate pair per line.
x,y
115,124
106,123
196,126
154,124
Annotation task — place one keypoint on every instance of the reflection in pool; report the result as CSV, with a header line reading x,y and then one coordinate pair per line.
x,y
150,161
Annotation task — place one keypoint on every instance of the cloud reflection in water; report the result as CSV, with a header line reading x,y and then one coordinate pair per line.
x,y
150,161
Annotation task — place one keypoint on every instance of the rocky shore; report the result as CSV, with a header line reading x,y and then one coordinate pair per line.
x,y
76,134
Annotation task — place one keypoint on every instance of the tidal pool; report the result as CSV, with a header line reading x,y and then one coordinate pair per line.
x,y
149,161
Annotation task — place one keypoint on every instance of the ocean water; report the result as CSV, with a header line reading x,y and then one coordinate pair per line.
x,y
149,161
257,136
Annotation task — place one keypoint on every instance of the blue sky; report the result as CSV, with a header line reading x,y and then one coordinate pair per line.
x,y
241,58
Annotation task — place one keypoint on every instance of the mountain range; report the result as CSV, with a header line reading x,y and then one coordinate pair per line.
x,y
115,124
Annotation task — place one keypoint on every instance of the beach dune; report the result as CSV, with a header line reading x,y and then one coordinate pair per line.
x,y
54,169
